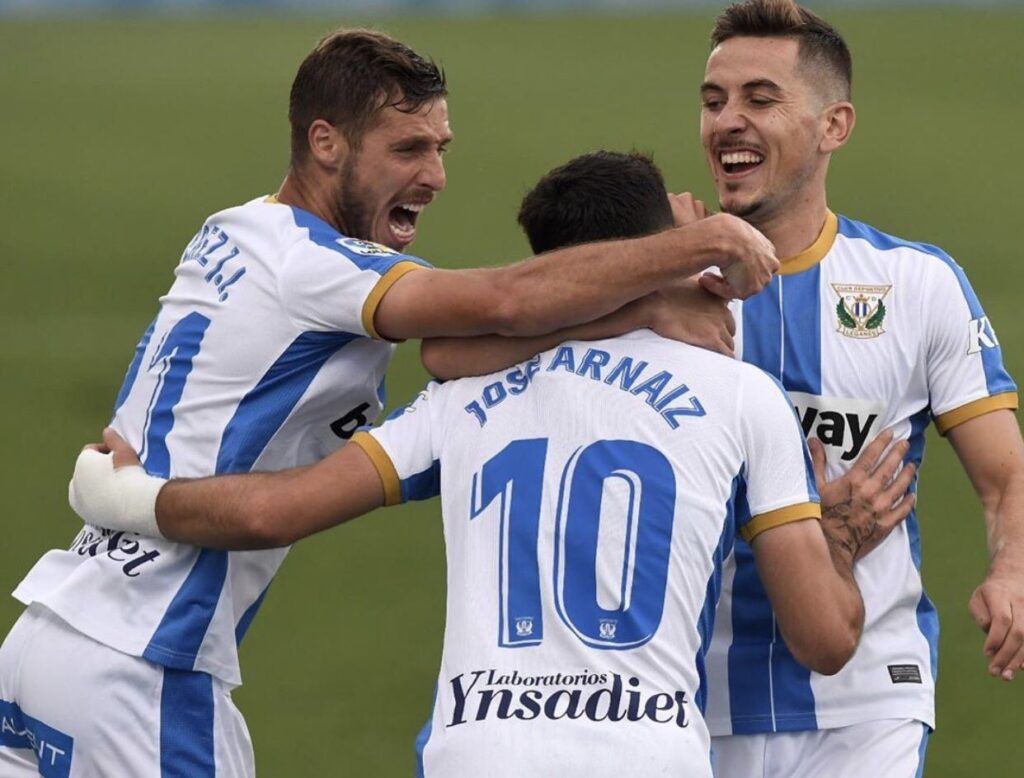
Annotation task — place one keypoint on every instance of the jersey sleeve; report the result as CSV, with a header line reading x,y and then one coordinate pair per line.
x,y
333,283
404,449
778,477
966,376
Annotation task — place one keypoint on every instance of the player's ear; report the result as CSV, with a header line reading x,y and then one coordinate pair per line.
x,y
327,144
838,119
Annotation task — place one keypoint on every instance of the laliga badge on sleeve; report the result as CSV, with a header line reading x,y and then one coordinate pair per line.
x,y
365,248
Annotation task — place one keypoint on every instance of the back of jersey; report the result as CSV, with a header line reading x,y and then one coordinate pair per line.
x,y
589,499
261,357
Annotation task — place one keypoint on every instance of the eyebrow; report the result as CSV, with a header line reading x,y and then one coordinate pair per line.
x,y
423,140
757,83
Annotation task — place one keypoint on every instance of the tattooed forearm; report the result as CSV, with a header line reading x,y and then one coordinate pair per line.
x,y
847,533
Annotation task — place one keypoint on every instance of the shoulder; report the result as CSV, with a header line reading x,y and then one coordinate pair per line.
x,y
860,236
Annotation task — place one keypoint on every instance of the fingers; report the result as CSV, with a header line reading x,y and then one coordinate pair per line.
x,y
869,457
100,447
686,209
979,610
124,454
717,286
898,487
730,322
817,450
1001,620
1002,662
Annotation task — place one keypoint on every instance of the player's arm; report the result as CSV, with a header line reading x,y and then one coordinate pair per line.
x,y
573,285
992,453
683,311
250,511
812,590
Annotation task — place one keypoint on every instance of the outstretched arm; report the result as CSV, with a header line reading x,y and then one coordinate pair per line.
x,y
992,453
573,285
251,511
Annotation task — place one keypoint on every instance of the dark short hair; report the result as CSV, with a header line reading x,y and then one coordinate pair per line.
x,y
598,196
821,45
350,76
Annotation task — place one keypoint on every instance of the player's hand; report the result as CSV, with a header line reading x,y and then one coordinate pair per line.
x,y
123,454
861,507
997,606
686,209
746,257
684,311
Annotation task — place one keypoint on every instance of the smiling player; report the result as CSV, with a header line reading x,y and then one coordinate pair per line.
x,y
268,351
865,331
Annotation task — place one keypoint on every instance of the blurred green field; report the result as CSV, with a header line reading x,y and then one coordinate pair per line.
x,y
118,137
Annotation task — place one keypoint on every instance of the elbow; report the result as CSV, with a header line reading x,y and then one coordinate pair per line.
x,y
829,651
434,355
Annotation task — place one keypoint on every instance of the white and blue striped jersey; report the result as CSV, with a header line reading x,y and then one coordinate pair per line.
x,y
262,356
589,497
865,331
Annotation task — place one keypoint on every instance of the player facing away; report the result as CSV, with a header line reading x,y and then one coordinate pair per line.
x,y
268,351
589,498
865,331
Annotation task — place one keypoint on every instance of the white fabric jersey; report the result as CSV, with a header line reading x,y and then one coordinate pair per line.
x,y
589,497
865,332
262,356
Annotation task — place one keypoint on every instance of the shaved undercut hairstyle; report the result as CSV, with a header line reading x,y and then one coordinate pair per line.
x,y
350,76
599,196
822,48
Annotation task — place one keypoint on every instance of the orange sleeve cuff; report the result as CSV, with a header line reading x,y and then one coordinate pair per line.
x,y
766,521
972,410
380,289
384,466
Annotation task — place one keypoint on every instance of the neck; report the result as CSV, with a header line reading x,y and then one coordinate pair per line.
x,y
796,227
300,191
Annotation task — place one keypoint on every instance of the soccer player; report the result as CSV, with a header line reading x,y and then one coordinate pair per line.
x,y
268,351
589,496
865,331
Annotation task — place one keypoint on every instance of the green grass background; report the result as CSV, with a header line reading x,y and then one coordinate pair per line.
x,y
117,137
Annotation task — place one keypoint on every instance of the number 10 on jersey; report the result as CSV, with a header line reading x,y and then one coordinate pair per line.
x,y
515,478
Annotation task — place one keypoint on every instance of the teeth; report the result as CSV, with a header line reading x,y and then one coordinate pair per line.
x,y
414,207
741,158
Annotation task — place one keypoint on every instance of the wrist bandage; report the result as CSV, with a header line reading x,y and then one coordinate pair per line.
x,y
122,499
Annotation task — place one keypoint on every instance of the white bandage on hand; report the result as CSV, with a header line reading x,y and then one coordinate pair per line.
x,y
122,499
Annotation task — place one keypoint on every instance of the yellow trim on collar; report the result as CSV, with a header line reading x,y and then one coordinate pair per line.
x,y
944,422
772,519
272,199
814,253
382,464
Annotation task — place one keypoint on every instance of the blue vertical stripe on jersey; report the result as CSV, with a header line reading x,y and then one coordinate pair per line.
x,y
133,367
920,751
266,407
423,737
423,485
762,322
927,615
176,642
996,378
801,330
706,620
250,613
379,259
54,749
186,725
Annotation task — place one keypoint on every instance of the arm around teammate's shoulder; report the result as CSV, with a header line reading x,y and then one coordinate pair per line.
x,y
573,285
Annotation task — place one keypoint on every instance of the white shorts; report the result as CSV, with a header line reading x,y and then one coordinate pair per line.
x,y
74,708
891,748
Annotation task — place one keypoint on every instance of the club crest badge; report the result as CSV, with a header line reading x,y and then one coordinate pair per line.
x,y
861,310
607,628
524,626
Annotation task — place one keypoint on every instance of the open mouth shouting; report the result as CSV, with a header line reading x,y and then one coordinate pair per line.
x,y
737,163
402,221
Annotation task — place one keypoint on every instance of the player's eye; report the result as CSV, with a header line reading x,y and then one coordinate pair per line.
x,y
761,102
712,105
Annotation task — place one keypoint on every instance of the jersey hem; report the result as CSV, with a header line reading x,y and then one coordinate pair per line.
x,y
382,464
923,711
944,422
772,519
229,674
379,290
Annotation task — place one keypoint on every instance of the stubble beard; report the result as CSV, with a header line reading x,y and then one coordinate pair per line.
x,y
351,210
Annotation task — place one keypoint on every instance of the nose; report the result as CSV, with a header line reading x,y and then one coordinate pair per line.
x,y
730,120
432,174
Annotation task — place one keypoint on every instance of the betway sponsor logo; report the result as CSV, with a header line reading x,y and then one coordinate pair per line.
x,y
488,694
842,424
